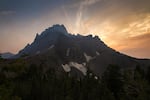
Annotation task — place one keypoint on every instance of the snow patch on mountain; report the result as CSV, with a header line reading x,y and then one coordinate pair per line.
x,y
80,67
97,53
68,51
52,46
84,64
96,77
88,58
66,67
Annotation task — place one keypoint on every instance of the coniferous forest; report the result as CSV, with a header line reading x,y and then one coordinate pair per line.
x,y
22,81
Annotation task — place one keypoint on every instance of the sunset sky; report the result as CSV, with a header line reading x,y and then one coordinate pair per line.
x,y
122,24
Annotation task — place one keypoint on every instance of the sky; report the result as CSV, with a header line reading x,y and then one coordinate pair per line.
x,y
124,25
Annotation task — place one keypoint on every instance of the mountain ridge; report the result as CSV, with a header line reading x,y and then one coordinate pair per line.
x,y
76,51
7,55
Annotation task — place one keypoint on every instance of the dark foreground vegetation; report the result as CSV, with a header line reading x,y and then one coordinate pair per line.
x,y
19,82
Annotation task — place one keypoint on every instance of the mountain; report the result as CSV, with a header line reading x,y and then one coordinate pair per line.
x,y
7,55
56,47
62,66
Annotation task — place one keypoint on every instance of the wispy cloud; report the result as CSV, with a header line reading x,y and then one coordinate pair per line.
x,y
80,12
80,7
89,2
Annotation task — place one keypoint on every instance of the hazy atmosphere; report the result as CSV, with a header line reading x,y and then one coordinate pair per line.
x,y
122,24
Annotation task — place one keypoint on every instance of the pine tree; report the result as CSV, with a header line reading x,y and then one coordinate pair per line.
x,y
113,79
1,57
148,74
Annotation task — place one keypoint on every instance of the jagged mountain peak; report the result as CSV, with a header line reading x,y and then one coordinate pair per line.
x,y
52,32
53,35
57,28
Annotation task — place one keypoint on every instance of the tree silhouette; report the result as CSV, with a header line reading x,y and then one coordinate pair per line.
x,y
113,79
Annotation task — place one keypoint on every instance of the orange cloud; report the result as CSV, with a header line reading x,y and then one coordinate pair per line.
x,y
137,46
